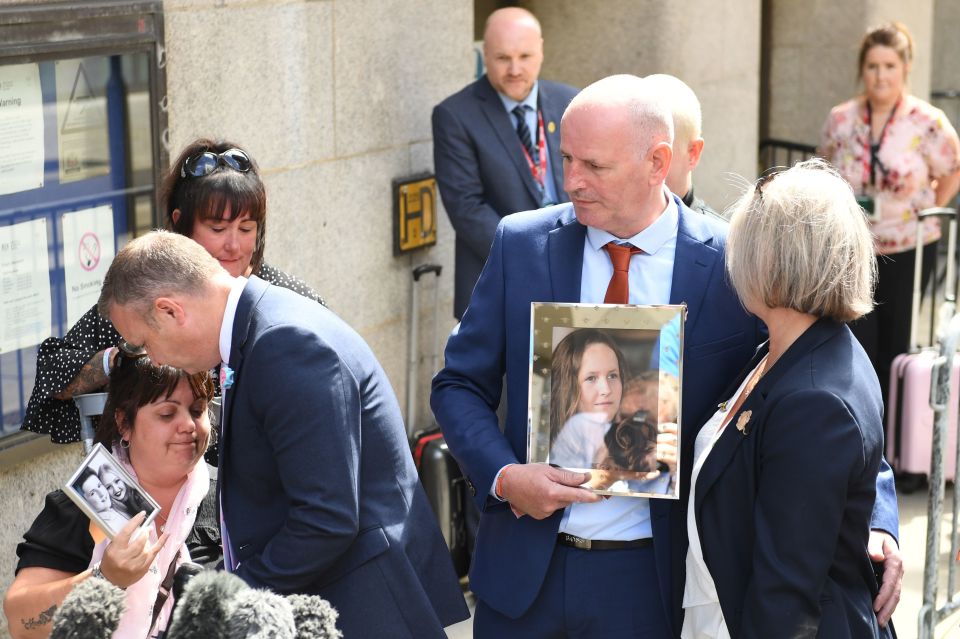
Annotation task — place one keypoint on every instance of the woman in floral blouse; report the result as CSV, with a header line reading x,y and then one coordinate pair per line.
x,y
213,193
900,155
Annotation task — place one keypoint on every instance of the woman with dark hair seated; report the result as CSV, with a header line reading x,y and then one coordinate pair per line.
x,y
157,424
213,194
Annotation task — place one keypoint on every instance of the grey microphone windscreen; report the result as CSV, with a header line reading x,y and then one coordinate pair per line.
x,y
205,607
91,610
261,614
315,617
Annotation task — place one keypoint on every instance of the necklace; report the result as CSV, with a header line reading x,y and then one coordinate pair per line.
x,y
164,522
750,385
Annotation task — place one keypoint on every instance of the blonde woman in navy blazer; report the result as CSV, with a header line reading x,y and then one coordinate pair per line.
x,y
784,478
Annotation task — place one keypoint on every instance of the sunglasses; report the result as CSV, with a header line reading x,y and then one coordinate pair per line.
x,y
130,350
766,177
207,162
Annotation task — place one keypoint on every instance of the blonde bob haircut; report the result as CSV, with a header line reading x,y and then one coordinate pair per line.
x,y
799,240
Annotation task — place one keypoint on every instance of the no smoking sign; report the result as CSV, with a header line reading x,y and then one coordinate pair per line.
x,y
89,251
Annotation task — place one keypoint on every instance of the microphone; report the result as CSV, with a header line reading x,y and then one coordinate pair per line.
x,y
206,606
314,617
187,571
91,610
261,614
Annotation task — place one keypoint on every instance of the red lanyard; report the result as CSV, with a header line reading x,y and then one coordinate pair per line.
x,y
538,172
871,152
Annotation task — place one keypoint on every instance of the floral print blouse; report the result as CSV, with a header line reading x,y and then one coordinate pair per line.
x,y
59,360
919,146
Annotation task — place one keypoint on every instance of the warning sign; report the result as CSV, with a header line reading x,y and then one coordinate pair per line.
x,y
82,119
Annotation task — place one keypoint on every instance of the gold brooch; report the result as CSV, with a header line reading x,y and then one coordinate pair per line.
x,y
742,421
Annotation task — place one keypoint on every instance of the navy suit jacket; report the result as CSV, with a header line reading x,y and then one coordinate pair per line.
x,y
319,491
538,257
482,172
783,507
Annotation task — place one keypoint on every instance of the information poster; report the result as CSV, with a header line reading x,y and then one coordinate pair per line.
x,y
81,122
21,128
24,285
88,250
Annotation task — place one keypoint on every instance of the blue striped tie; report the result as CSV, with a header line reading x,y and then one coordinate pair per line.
x,y
523,131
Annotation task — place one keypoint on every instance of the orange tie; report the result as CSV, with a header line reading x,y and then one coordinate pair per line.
x,y
618,291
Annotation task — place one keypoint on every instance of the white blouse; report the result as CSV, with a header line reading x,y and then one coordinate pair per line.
x,y
703,617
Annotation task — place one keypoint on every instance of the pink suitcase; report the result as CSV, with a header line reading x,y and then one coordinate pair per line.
x,y
909,420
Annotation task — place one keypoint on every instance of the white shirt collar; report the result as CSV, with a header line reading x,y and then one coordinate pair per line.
x,y
229,313
649,240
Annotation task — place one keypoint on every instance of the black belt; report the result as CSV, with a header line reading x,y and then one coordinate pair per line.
x,y
599,544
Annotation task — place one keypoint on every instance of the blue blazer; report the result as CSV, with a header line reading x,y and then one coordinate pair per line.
x,y
538,256
482,172
319,491
783,508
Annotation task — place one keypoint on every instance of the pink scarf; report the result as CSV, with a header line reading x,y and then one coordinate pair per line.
x,y
141,595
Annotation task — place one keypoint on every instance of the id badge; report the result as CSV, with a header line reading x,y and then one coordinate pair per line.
x,y
870,206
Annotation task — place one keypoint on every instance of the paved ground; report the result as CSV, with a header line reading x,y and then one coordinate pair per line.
x,y
913,531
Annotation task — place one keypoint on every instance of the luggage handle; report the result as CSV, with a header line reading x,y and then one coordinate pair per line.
x,y
950,297
413,347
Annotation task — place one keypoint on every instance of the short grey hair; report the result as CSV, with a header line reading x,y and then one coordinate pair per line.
x,y
652,120
799,240
683,104
157,264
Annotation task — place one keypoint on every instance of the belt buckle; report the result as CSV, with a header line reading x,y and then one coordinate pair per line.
x,y
579,542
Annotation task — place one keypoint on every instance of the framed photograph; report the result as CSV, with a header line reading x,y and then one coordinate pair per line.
x,y
605,394
106,492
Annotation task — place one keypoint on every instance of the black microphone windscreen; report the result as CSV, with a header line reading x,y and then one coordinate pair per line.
x,y
187,571
261,614
205,606
91,610
315,617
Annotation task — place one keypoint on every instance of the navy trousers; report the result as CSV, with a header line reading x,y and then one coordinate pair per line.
x,y
587,594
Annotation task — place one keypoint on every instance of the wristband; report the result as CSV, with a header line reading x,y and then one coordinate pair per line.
x,y
97,573
498,489
106,361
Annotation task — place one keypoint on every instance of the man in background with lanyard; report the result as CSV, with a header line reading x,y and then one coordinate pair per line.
x,y
496,142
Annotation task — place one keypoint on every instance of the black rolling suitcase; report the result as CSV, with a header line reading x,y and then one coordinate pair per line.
x,y
446,489
440,475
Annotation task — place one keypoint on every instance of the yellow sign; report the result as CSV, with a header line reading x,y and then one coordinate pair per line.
x,y
415,213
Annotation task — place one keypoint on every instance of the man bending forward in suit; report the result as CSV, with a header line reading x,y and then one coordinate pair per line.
x,y
318,491
552,559
496,142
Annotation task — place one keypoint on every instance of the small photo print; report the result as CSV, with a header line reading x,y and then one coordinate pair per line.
x,y
106,492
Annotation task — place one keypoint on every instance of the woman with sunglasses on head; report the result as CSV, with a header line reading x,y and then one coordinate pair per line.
x,y
157,425
213,194
901,155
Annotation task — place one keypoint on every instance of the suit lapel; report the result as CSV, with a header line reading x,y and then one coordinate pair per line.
x,y
249,298
693,264
500,122
551,124
565,253
749,415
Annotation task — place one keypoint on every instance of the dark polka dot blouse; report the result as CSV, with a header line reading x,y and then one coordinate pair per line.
x,y
59,360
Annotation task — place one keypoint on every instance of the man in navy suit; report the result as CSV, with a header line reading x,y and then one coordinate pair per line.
x,y
318,491
496,142
553,559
